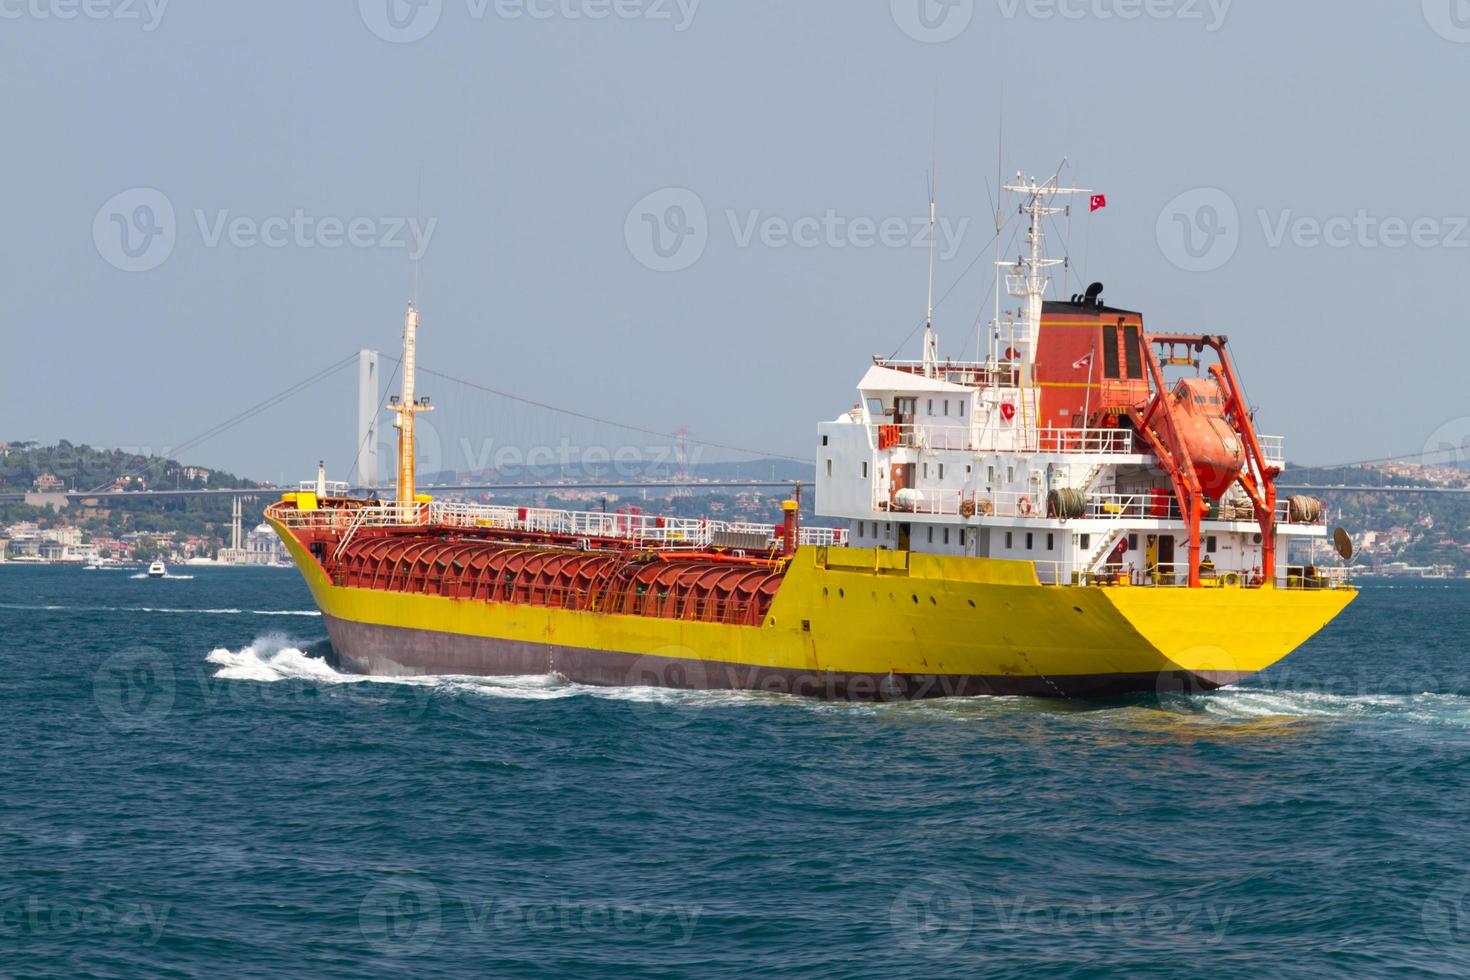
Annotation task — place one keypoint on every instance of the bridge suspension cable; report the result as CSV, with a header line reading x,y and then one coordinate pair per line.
x,y
584,416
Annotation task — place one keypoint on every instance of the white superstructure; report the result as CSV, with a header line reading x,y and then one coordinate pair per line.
x,y
972,457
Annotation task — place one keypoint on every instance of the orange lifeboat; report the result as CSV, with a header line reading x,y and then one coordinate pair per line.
x,y
1215,447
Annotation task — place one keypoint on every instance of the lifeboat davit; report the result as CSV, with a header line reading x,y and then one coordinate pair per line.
x,y
1215,447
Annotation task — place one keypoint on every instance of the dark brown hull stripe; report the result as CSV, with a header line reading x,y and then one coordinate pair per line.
x,y
397,651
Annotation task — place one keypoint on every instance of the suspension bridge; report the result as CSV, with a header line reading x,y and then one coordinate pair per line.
x,y
554,460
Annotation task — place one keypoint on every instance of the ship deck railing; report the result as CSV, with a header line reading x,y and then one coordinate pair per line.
x,y
670,533
1003,439
972,374
1141,506
1303,578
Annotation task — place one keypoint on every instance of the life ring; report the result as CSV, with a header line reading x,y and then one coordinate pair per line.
x,y
967,508
1023,506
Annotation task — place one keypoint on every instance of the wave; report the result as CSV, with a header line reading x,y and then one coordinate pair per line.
x,y
276,657
165,578
1426,708
164,610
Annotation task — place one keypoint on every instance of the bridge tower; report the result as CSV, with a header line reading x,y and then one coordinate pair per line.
x,y
365,469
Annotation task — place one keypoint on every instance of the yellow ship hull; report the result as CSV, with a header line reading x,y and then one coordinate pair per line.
x,y
852,624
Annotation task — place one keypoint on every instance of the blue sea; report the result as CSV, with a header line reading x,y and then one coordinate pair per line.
x,y
189,789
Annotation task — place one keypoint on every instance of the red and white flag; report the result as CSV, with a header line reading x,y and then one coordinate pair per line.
x,y
1099,201
1085,361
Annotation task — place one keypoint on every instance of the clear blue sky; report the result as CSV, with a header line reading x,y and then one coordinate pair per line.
x,y
539,126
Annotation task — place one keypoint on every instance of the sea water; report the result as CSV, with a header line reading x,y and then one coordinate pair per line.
x,y
190,789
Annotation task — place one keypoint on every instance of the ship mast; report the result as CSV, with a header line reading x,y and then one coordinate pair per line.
x,y
405,407
1027,277
931,342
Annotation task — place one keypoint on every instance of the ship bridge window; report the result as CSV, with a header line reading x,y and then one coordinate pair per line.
x,y
1133,351
1110,351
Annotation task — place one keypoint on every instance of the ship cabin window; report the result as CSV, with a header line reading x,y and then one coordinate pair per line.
x,y
1110,351
1133,351
931,535
824,440
829,467
1210,544
1084,541
941,471
865,470
1030,540
904,410
946,535
961,410
931,406
926,471
1010,542
1132,542
1010,474
1051,542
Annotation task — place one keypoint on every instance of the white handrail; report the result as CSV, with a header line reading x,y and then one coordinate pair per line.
x,y
665,532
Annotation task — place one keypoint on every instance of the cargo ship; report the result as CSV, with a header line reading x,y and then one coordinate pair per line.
x,y
1085,510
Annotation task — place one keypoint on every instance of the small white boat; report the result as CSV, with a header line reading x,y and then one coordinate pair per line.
x,y
157,570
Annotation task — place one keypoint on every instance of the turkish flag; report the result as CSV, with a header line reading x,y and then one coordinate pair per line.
x,y
1099,201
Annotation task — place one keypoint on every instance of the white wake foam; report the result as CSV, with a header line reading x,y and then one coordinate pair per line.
x,y
1427,708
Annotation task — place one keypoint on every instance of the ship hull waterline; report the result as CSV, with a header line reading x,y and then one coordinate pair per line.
x,y
850,624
